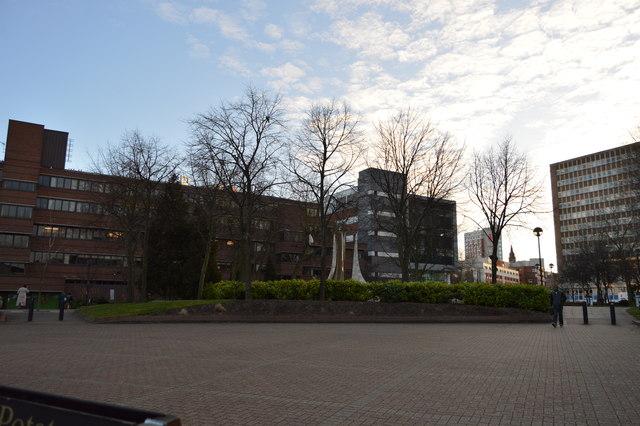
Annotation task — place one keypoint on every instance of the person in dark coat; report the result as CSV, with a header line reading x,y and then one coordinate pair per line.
x,y
62,297
557,299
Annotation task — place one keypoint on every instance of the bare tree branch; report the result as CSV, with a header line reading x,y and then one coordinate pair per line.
x,y
239,143
137,167
424,166
503,185
323,155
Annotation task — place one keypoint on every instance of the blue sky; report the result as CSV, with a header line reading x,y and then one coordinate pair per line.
x,y
562,77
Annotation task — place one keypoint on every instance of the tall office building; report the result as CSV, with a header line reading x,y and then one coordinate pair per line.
x,y
372,218
594,200
478,244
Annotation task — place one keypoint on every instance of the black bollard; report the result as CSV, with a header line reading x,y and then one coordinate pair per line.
x,y
30,302
585,316
612,308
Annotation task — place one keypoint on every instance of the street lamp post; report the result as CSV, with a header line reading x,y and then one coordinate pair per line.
x,y
537,231
551,277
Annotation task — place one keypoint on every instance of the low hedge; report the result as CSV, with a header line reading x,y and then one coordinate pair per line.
x,y
521,296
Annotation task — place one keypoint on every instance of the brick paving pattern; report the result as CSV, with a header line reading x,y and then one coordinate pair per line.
x,y
338,374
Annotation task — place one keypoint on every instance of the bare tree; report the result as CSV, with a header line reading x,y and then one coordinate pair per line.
x,y
323,155
137,167
633,261
621,236
239,143
622,218
207,197
421,168
503,185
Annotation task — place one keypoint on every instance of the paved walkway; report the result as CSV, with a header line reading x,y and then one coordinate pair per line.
x,y
338,374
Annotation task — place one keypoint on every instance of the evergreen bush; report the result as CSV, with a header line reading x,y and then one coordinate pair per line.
x,y
522,296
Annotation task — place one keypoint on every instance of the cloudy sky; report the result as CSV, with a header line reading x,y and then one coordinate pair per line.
x,y
561,77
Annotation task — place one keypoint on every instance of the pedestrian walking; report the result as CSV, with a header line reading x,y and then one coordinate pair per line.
x,y
557,299
21,300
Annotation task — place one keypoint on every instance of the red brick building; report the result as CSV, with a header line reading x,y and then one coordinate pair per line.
x,y
54,237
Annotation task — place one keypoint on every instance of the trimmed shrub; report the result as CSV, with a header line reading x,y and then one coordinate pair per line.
x,y
224,290
499,295
286,289
347,290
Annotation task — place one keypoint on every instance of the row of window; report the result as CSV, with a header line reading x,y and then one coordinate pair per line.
x,y
26,212
72,183
14,240
581,178
593,161
604,185
584,225
12,268
56,182
68,205
56,231
15,211
609,207
96,282
606,209
77,259
590,201
257,223
18,185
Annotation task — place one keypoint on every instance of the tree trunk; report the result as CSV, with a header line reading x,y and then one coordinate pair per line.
x,y
145,264
494,258
205,265
245,253
323,261
131,292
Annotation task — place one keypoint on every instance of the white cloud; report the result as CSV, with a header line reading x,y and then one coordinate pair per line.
x,y
253,10
198,50
273,31
417,51
265,47
291,46
236,66
225,23
560,75
370,36
524,45
283,77
171,12
363,71
341,8
287,72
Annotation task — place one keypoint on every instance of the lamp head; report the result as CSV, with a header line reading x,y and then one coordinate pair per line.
x,y
537,231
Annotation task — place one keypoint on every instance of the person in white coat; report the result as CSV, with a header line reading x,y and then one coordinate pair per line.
x,y
21,301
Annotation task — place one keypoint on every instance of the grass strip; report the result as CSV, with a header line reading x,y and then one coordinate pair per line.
x,y
114,310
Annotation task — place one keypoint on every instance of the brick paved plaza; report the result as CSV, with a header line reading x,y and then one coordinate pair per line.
x,y
337,374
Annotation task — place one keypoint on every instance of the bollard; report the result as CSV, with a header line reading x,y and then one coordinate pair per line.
x,y
30,302
585,316
61,313
612,308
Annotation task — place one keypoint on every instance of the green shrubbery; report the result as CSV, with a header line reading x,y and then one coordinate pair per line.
x,y
500,295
